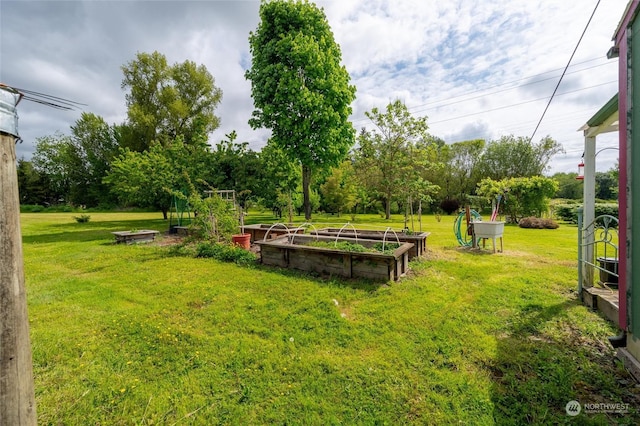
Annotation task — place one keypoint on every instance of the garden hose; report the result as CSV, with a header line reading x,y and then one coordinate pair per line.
x,y
463,237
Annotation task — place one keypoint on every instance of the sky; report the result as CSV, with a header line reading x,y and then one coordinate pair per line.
x,y
477,69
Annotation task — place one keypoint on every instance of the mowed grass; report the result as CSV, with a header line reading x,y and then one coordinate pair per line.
x,y
139,335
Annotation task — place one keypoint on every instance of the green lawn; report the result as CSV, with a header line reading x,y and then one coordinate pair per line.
x,y
139,335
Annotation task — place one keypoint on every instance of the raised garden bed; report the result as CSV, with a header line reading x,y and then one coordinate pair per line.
x,y
292,251
259,231
130,237
419,241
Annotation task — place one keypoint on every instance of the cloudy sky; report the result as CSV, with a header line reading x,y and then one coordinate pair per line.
x,y
476,69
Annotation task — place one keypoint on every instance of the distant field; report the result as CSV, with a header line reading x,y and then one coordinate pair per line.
x,y
140,335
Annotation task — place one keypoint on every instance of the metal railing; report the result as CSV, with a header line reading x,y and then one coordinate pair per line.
x,y
597,251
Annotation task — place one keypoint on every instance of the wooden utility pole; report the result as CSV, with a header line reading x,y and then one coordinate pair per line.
x,y
17,399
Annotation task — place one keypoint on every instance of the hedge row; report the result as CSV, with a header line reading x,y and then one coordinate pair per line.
x,y
569,212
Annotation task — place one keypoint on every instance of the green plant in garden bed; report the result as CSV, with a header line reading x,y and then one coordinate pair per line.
x,y
354,247
386,247
340,245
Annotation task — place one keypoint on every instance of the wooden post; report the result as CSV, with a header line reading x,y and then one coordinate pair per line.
x,y
17,399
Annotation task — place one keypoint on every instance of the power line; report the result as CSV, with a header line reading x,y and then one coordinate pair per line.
x,y
508,88
44,99
520,103
565,70
419,107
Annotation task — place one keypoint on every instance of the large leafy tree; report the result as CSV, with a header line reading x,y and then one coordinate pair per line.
x,y
568,186
170,111
464,165
96,143
149,178
393,158
33,187
233,165
57,158
167,101
73,166
512,156
300,89
339,190
281,178
524,196
606,185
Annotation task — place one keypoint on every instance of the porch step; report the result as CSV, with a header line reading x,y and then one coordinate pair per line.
x,y
604,300
632,364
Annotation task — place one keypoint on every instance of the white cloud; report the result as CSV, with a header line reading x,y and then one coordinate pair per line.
x,y
463,64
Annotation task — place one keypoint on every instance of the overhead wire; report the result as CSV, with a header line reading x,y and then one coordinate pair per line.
x,y
45,99
418,108
565,70
521,103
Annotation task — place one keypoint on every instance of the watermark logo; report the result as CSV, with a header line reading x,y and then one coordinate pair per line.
x,y
573,408
606,407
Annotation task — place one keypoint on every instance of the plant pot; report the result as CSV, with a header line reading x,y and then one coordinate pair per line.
x,y
609,271
242,240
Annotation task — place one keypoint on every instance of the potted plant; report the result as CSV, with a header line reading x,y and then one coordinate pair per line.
x,y
242,239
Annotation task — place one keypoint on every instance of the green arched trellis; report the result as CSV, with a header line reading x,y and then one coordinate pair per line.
x,y
179,213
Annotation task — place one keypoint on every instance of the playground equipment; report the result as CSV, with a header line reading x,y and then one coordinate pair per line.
x,y
229,195
179,213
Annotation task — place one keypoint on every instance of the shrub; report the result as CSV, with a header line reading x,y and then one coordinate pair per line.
x,y
477,203
569,212
226,253
83,218
64,209
215,218
606,208
449,206
537,223
31,208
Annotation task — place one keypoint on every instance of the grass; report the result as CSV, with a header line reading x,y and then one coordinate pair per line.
x,y
137,335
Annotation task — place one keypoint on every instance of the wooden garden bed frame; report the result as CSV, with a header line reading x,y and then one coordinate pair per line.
x,y
259,231
129,237
290,251
419,240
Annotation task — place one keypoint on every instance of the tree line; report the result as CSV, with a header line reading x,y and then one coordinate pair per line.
x,y
394,163
314,159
